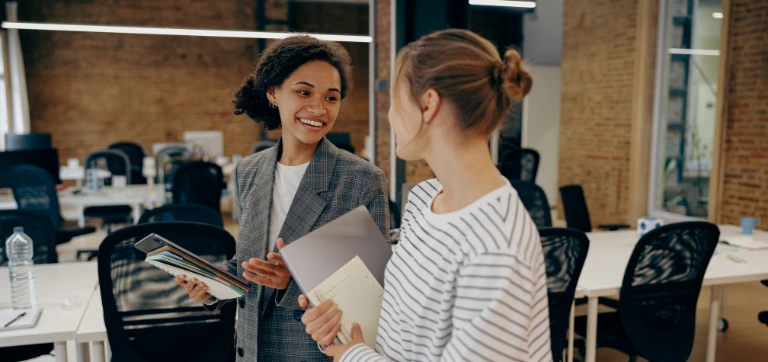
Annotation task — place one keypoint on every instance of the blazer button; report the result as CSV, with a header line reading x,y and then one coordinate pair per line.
x,y
240,351
298,314
241,302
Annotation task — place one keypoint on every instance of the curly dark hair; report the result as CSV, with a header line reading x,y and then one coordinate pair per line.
x,y
277,63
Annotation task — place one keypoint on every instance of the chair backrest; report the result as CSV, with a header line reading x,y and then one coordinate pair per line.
x,y
115,161
165,155
183,212
34,190
136,156
529,164
30,141
37,226
564,253
146,314
395,218
199,183
661,286
535,201
519,164
575,208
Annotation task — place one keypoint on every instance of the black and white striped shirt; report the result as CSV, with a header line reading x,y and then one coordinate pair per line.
x,y
464,286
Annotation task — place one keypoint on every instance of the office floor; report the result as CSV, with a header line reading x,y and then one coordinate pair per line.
x,y
745,340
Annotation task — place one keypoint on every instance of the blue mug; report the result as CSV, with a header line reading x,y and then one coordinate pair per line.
x,y
747,224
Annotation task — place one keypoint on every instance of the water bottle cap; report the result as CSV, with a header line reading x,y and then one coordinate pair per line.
x,y
18,229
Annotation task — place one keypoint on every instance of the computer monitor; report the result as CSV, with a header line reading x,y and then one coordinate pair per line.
x,y
29,141
46,159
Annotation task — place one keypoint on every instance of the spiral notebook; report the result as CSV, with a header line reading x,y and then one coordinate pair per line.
x,y
28,320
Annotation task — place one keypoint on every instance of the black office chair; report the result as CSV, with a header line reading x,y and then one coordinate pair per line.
x,y
520,164
29,141
183,212
40,229
199,183
577,213
564,253
148,317
136,156
656,316
164,160
535,201
34,190
117,163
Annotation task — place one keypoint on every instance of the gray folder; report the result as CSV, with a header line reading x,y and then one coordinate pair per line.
x,y
315,256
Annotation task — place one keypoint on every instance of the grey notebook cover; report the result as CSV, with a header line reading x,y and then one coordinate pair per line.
x,y
315,256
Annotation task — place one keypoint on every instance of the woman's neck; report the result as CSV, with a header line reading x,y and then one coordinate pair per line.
x,y
295,152
466,173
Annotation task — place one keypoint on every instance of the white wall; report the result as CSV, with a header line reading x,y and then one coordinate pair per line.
x,y
541,125
543,33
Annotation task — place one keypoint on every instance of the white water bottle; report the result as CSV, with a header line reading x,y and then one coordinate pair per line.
x,y
19,249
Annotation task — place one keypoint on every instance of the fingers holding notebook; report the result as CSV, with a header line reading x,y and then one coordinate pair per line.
x,y
195,289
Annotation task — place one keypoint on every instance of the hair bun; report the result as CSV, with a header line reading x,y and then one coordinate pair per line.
x,y
515,80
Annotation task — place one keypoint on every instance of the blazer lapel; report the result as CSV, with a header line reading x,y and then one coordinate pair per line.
x,y
259,209
309,202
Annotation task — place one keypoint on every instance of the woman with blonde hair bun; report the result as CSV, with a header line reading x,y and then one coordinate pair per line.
x,y
467,282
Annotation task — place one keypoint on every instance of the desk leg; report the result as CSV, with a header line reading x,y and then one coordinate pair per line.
x,y
98,351
591,329
722,300
81,216
82,352
108,350
570,332
60,349
714,315
136,213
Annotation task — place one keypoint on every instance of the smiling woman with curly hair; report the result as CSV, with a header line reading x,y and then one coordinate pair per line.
x,y
285,192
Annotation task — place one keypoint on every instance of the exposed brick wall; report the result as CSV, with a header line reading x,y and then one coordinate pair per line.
x,y
89,90
596,105
745,182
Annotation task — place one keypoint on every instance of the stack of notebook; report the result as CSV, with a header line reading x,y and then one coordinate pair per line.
x,y
175,261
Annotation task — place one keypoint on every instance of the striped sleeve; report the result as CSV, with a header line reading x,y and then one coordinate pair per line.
x,y
501,311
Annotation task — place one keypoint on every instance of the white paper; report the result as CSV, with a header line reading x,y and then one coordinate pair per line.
x,y
359,296
29,320
215,287
747,242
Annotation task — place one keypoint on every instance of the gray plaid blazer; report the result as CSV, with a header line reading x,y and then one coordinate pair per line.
x,y
269,324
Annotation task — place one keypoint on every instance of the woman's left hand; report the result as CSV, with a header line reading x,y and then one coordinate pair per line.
x,y
337,350
273,275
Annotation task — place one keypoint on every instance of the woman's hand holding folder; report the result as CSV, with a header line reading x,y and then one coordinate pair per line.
x,y
195,289
324,323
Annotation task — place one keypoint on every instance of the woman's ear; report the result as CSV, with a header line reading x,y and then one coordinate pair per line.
x,y
430,104
271,95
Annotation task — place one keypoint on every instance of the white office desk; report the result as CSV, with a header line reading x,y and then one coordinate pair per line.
x,y
93,331
55,284
607,260
134,195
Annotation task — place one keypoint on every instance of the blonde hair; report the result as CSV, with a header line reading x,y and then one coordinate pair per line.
x,y
465,69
